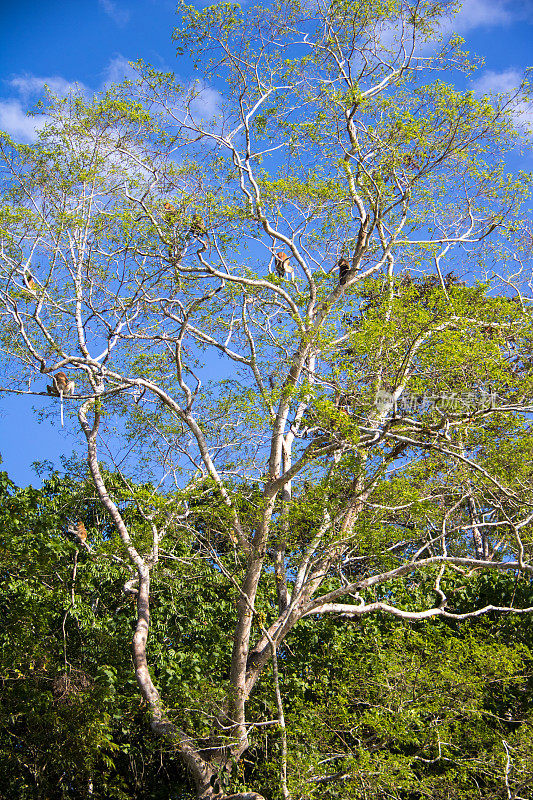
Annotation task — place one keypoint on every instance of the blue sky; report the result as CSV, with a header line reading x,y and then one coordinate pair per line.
x,y
89,43
84,42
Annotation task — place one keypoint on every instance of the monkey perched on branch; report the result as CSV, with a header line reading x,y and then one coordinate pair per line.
x,y
198,227
61,387
282,266
170,213
343,402
80,533
344,268
29,282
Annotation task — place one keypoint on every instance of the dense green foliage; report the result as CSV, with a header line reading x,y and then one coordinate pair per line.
x,y
400,710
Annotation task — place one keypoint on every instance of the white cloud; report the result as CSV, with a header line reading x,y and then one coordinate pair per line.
x,y
117,70
28,88
524,117
15,121
207,104
472,14
28,85
119,15
507,82
483,13
204,106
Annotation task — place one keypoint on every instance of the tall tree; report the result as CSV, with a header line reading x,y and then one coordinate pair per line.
x,y
349,241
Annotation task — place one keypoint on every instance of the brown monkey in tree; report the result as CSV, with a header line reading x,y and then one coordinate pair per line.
x,y
197,226
81,531
170,213
29,282
344,268
282,266
61,387
342,402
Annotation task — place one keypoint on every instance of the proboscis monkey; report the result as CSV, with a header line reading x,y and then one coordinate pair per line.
x,y
29,282
282,266
81,532
197,226
344,268
61,387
